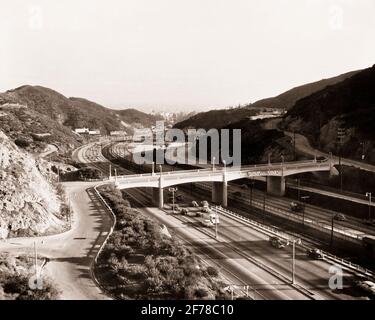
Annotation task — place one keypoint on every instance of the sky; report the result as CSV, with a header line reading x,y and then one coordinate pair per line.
x,y
181,55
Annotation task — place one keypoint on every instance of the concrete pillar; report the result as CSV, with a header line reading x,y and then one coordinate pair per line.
x,y
158,197
220,193
276,186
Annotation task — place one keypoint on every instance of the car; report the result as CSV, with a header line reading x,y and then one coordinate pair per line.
x,y
339,217
315,254
175,207
367,286
204,203
184,211
180,197
207,223
296,206
206,210
194,204
277,243
238,194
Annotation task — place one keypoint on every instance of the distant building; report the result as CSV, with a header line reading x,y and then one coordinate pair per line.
x,y
118,133
94,132
82,130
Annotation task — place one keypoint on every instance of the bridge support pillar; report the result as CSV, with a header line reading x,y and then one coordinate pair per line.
x,y
158,197
276,186
220,193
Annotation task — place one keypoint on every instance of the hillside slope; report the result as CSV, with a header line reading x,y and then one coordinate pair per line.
x,y
350,105
28,111
286,100
29,204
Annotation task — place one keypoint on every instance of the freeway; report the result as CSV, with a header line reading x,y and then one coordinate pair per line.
x,y
241,247
71,253
315,216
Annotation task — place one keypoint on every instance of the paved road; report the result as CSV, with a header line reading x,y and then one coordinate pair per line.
x,y
72,253
303,145
48,150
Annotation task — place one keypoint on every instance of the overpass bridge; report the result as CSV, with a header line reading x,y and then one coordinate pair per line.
x,y
220,176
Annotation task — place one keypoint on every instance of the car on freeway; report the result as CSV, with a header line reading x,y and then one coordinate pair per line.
x,y
194,204
175,207
204,203
315,254
339,217
367,286
296,206
238,194
180,197
206,210
277,243
207,223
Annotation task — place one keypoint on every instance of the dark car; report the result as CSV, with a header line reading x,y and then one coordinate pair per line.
x,y
296,207
315,254
277,243
339,217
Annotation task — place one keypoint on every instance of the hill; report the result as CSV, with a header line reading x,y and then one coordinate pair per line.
x,y
349,105
29,204
37,115
286,100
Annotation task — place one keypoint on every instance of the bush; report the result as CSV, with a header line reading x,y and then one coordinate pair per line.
x,y
89,173
212,271
23,142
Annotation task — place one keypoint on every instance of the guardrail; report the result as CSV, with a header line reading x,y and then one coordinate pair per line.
x,y
114,221
273,232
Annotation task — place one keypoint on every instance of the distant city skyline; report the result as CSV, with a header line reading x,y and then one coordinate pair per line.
x,y
169,55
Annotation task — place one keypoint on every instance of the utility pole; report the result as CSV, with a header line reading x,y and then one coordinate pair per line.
x,y
173,190
332,222
304,198
368,195
264,208
216,216
294,145
36,262
341,132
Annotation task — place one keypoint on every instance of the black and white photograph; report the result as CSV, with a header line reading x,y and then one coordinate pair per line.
x,y
185,151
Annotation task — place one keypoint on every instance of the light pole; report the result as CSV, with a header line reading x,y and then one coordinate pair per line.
x,y
294,241
304,198
213,163
225,165
368,195
216,219
332,222
363,144
173,190
269,159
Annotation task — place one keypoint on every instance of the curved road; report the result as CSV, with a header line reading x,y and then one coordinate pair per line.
x,y
71,253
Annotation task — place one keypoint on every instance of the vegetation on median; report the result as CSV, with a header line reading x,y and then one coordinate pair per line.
x,y
140,262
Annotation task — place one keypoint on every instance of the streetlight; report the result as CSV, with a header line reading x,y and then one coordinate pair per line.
x,y
368,195
213,163
173,190
269,159
225,165
216,220
304,198
153,168
294,241
363,144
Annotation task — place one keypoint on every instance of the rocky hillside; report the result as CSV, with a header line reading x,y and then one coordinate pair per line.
x,y
29,204
349,105
286,100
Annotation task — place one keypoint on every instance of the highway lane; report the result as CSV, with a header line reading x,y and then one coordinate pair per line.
x,y
234,265
312,275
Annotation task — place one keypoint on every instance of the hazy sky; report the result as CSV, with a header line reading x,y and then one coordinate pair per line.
x,y
181,54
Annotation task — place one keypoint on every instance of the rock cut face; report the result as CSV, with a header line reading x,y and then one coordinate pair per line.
x,y
29,204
